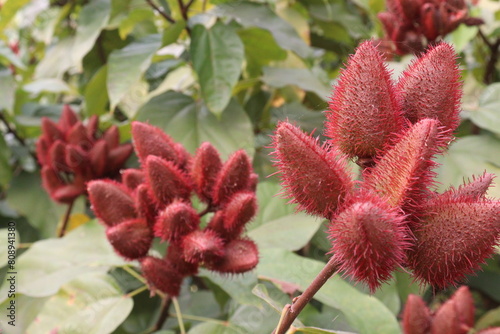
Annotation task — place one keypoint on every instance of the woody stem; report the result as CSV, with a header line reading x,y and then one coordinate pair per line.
x,y
64,224
291,311
165,305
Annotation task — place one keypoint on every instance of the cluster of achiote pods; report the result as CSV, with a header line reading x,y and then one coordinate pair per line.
x,y
71,154
155,200
411,24
392,217
455,316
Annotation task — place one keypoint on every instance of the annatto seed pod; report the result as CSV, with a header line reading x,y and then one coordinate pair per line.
x,y
456,315
202,246
240,209
175,257
131,239
51,131
132,178
176,220
111,202
204,170
145,204
151,141
369,240
98,156
314,176
416,316
364,113
475,189
233,177
240,255
455,236
430,87
57,189
161,275
68,118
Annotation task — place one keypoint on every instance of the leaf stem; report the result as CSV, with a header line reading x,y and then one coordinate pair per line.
x,y
62,227
134,274
179,315
291,311
165,305
136,291
160,11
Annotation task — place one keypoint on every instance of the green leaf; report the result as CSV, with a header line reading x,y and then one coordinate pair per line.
x,y
5,169
7,90
490,319
215,328
191,124
315,330
250,14
49,264
365,313
9,10
27,308
134,16
92,304
300,77
260,47
487,115
127,65
92,19
49,85
217,55
96,94
469,156
172,33
10,56
461,36
56,60
238,287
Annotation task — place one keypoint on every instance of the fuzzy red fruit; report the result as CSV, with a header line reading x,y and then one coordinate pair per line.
x,y
98,157
456,235
240,209
77,135
51,131
416,316
464,304
132,178
178,219
131,239
241,255
364,113
175,257
430,87
57,156
313,176
118,155
456,315
475,189
145,204
111,202
161,275
202,246
149,140
369,240
233,177
68,118
404,174
92,127
112,137
204,169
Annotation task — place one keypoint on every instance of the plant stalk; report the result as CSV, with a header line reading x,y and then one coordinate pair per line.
x,y
64,224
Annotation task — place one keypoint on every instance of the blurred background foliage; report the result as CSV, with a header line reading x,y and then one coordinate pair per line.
x,y
207,70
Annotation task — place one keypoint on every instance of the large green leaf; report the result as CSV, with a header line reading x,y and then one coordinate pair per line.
x,y
56,60
301,77
127,65
191,124
217,54
7,90
48,264
487,114
238,287
9,10
27,308
5,169
251,14
96,94
93,18
91,304
365,313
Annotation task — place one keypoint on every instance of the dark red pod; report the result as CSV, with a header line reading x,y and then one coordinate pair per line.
x,y
111,202
176,220
161,275
131,239
240,255
204,170
151,141
202,246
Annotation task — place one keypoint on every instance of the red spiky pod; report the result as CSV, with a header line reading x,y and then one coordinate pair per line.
x,y
112,137
216,223
475,189
161,275
239,210
42,149
166,181
131,239
493,330
404,174
117,157
98,157
151,141
111,202
93,127
77,135
455,236
176,220
184,156
58,190
369,239
364,113
313,176
132,178
416,316
240,255
176,258
51,131
431,87
449,317
68,118
145,204
233,177
202,246
204,170
57,156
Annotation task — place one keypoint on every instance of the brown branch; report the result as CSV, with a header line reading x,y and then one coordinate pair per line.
x,y
184,12
290,312
165,305
64,225
160,11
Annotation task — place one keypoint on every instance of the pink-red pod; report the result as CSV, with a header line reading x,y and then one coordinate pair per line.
x,y
161,275
68,118
240,209
475,189
111,202
145,204
456,315
42,149
204,170
112,137
175,221
58,190
233,177
416,316
202,246
240,255
455,236
464,303
369,240
149,140
431,87
132,178
51,131
313,176
77,135
118,156
93,127
98,156
166,181
176,258
494,330
404,174
131,239
57,156
364,113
